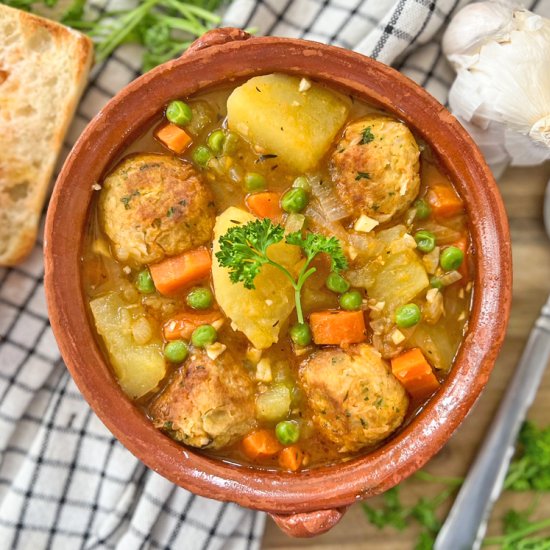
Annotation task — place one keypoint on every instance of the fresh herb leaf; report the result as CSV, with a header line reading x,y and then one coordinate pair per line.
x,y
362,175
392,513
243,250
425,541
165,28
530,470
313,244
366,136
517,527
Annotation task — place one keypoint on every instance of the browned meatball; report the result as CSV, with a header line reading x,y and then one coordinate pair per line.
x,y
207,403
355,399
375,167
154,205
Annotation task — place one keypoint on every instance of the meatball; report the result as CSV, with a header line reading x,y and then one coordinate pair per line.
x,y
206,403
375,167
354,398
154,205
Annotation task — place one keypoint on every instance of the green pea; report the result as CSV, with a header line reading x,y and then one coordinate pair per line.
x,y
200,298
435,282
204,336
294,200
423,209
144,282
231,143
300,334
216,140
176,351
407,316
201,155
179,113
351,300
336,283
451,258
425,240
303,183
254,182
287,432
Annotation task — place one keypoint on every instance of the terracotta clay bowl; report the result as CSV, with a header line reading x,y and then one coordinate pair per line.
x,y
310,502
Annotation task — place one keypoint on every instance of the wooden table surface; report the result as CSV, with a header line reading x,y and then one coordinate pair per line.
x,y
523,191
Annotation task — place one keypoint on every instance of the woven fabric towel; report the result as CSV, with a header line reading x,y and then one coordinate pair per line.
x,y
65,482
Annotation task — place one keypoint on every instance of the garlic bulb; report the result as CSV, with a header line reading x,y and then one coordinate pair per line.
x,y
502,89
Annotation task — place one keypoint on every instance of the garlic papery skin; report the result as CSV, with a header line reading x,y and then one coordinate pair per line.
x,y
473,24
502,89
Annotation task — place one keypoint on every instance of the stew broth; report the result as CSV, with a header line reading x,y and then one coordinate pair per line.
x,y
291,376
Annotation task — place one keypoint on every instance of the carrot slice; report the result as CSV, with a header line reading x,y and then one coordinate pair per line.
x,y
181,326
443,201
415,373
173,137
172,274
337,327
261,444
464,270
291,458
264,205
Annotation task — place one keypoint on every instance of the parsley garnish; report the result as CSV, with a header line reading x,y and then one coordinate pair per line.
x,y
362,175
170,212
366,136
243,250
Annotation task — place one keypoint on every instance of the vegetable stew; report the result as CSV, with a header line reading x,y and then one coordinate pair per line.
x,y
279,275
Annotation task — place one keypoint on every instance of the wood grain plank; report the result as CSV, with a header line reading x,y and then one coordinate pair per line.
x,y
523,192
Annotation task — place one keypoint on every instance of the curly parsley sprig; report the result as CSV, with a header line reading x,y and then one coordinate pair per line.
x,y
243,250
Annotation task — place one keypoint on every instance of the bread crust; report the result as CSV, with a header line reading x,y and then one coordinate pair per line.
x,y
43,72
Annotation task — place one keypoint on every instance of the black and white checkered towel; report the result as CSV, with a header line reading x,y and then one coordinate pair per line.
x,y
65,482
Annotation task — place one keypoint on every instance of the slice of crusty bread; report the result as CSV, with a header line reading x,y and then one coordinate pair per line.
x,y
43,71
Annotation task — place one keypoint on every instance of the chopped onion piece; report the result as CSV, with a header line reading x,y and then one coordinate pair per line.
x,y
331,205
263,370
410,215
431,260
443,234
450,278
361,277
325,226
215,350
253,354
294,222
304,85
433,308
364,224
397,337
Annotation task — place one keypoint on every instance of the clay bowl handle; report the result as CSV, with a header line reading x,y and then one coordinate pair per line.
x,y
308,524
217,37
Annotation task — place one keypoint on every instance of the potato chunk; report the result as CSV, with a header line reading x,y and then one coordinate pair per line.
x,y
138,368
298,126
399,279
260,312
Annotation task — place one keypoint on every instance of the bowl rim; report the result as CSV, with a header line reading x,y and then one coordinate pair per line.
x,y
124,117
